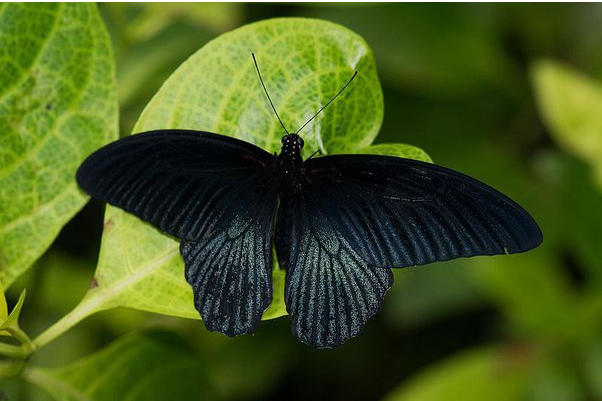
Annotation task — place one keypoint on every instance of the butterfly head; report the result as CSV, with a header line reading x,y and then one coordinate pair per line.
x,y
292,144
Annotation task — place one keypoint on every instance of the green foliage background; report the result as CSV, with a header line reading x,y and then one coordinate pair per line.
x,y
508,93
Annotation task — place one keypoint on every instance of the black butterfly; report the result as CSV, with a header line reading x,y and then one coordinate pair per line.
x,y
339,223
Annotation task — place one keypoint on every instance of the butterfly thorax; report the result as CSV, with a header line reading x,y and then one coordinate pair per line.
x,y
289,162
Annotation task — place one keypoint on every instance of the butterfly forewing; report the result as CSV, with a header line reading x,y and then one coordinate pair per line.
x,y
184,182
399,212
215,193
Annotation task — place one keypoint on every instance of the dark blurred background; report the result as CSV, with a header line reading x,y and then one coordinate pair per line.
x,y
457,80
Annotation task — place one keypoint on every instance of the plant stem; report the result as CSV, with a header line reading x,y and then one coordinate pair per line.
x,y
23,338
98,299
85,308
13,351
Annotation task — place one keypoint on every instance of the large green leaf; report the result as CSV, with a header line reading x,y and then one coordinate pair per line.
x,y
570,104
304,62
57,104
150,366
489,373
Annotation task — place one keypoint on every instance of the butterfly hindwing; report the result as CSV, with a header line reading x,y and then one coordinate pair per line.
x,y
231,272
357,216
331,291
213,192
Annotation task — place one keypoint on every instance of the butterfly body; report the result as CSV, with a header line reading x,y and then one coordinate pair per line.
x,y
289,166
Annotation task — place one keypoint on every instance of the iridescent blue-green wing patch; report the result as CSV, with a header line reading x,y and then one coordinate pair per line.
x,y
231,269
331,291
214,192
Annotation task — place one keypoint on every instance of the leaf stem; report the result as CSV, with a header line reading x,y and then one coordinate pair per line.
x,y
23,338
96,300
13,351
88,306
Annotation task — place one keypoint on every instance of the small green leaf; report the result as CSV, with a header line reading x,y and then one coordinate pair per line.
x,y
491,373
304,62
10,327
3,310
398,150
570,104
57,104
150,366
12,321
3,305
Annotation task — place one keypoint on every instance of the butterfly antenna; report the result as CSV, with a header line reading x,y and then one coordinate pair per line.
x,y
326,105
267,94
